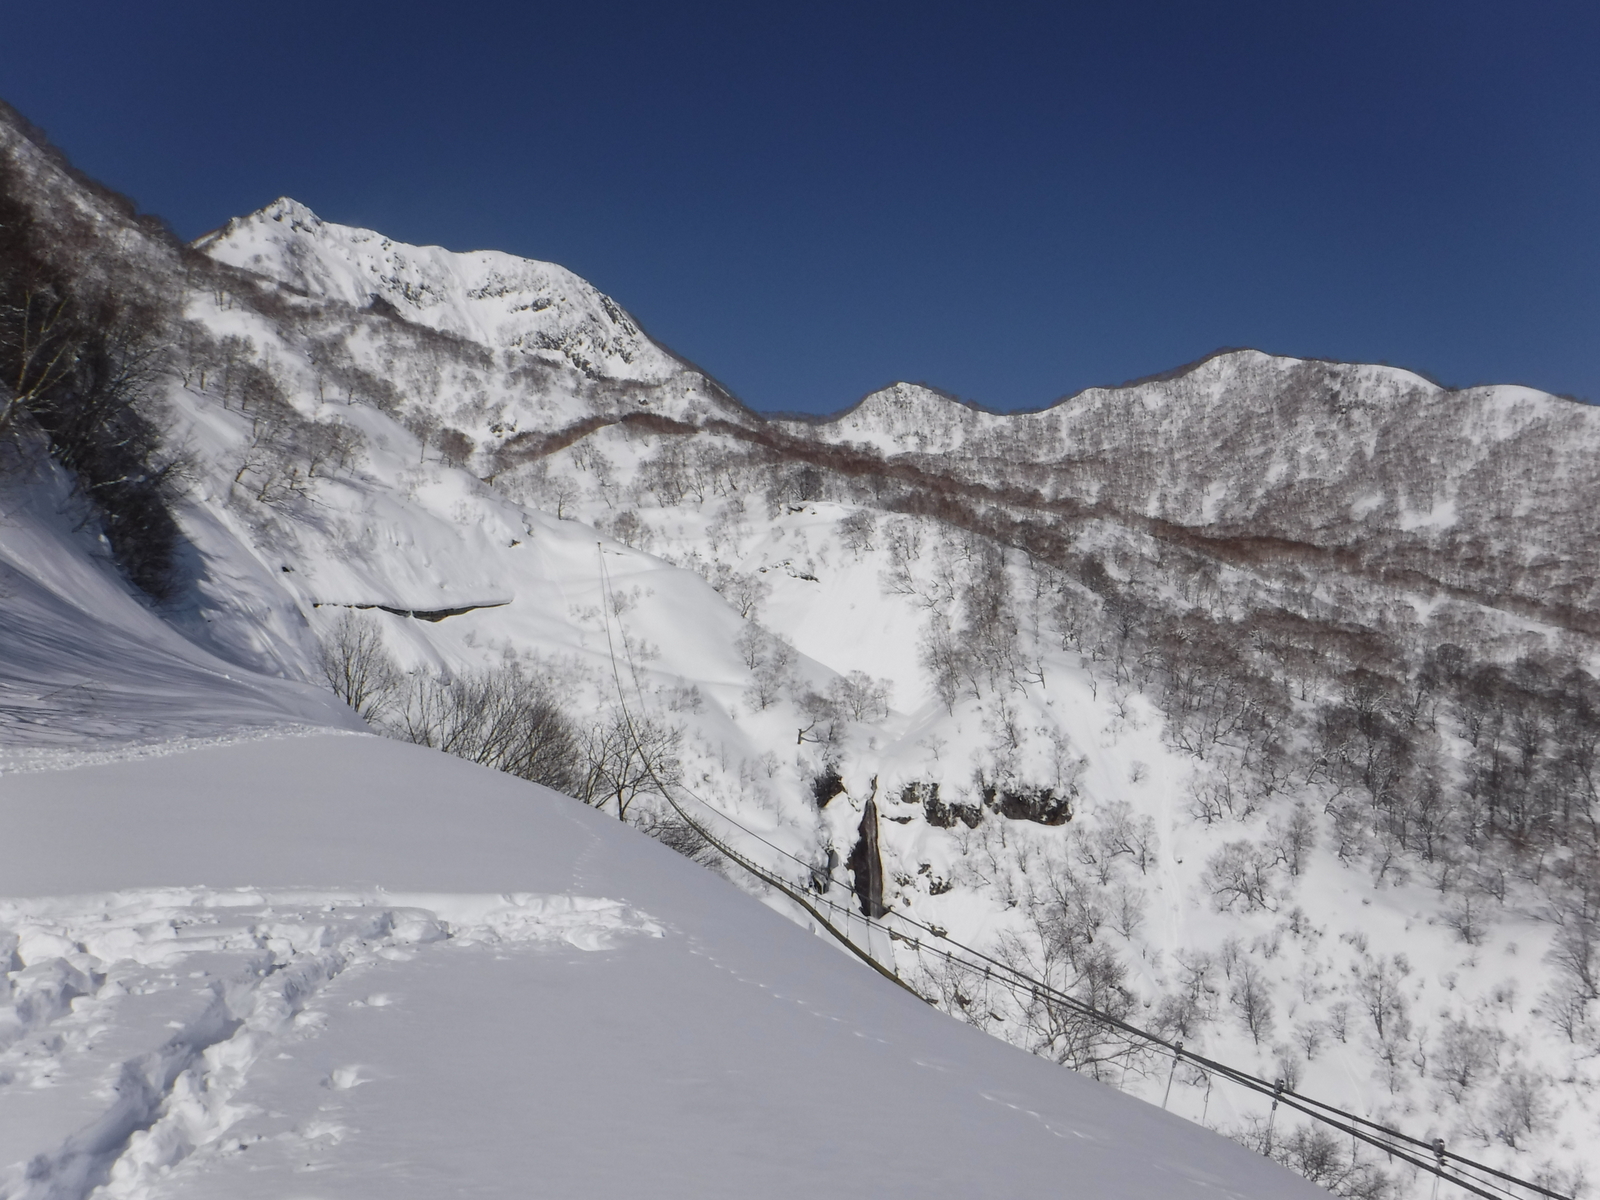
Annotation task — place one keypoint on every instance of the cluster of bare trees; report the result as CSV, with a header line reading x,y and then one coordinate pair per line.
x,y
81,348
771,658
506,717
1066,912
1288,674
1323,1157
513,718
282,454
1477,773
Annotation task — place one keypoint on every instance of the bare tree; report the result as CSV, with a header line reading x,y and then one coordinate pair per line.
x,y
1240,874
1294,837
746,591
1252,998
626,756
455,448
856,532
504,717
772,660
359,669
860,695
331,443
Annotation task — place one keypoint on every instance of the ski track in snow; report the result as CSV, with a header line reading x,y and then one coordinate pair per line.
x,y
170,996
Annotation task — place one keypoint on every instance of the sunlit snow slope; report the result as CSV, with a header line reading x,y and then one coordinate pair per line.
x,y
82,655
345,967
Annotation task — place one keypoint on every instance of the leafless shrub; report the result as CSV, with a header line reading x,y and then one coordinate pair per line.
x,y
625,756
359,669
1240,876
504,717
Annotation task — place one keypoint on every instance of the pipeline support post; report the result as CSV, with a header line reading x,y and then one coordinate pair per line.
x,y
1272,1114
1176,1057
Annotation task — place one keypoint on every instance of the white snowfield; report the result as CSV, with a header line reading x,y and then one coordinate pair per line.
x,y
347,967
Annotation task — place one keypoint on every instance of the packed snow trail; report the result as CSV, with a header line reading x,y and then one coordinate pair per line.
x,y
412,995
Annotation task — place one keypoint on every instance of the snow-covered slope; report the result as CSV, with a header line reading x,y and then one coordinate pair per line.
x,y
82,656
345,967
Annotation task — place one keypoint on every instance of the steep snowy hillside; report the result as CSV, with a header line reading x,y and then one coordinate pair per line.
x,y
83,657
1340,468
345,967
1254,706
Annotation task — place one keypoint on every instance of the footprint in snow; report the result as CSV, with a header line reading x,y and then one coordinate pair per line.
x,y
342,1079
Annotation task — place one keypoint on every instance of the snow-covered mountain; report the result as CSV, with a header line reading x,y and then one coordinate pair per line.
x,y
503,303
1254,705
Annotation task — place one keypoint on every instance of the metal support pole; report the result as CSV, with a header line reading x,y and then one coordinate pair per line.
x,y
1175,1058
1272,1114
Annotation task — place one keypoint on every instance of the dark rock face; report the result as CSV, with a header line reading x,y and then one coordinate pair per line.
x,y
936,810
866,864
1040,805
826,785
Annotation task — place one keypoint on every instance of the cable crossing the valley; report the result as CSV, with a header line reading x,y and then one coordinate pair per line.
x,y
1433,1157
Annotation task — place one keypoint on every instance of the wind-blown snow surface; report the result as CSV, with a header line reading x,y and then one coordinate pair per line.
x,y
351,967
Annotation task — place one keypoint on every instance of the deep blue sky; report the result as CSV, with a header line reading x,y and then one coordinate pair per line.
x,y
814,200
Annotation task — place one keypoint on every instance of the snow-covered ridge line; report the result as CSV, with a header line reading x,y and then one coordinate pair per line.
x,y
917,418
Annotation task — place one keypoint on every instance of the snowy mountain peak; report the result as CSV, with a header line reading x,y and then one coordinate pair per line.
x,y
499,301
287,209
